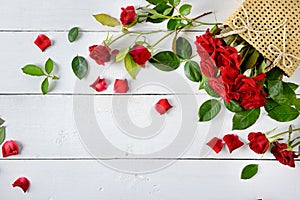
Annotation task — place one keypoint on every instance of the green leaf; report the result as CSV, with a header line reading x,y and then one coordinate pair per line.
x,y
55,77
209,109
284,113
183,48
1,121
233,106
274,74
249,171
45,86
2,134
174,2
192,71
174,24
156,2
165,61
270,105
185,9
167,11
33,70
281,92
131,66
293,86
49,65
252,60
73,34
106,20
79,66
210,91
122,53
244,119
160,9
297,104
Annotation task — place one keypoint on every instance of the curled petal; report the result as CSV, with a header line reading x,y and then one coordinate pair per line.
x,y
121,86
162,106
216,144
42,41
99,84
10,148
23,183
232,141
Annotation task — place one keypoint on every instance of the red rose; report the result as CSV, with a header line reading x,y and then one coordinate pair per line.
x,y
216,144
259,143
208,67
221,88
23,183
99,84
10,148
229,75
284,156
128,15
140,54
232,141
228,57
100,53
248,91
162,106
208,43
121,86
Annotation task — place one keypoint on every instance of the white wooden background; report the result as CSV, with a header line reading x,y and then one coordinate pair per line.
x,y
59,162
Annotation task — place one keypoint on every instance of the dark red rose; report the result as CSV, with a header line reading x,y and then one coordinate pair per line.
x,y
284,156
223,89
121,86
99,84
216,144
10,148
23,183
259,143
229,74
42,41
162,106
249,91
228,57
208,67
100,54
140,54
232,141
208,43
128,15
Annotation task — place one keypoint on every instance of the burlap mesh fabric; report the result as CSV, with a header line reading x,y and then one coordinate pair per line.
x,y
266,15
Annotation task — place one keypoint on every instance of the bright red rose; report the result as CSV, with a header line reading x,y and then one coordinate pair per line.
x,y
140,54
208,43
121,86
162,106
232,141
229,74
259,143
42,41
248,91
223,89
228,57
216,144
100,54
10,148
284,156
99,84
23,183
128,15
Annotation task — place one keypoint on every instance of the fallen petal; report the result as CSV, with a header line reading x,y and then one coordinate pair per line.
x,y
23,183
162,106
232,141
121,86
42,41
216,144
10,148
99,84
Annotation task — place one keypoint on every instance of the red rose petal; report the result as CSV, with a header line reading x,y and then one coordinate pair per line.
x,y
23,183
232,141
99,84
216,144
121,86
42,41
91,48
115,51
10,148
162,106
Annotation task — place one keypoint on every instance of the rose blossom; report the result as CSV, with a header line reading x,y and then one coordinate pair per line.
x,y
284,156
259,143
207,43
221,88
232,141
10,148
128,15
23,183
100,53
140,54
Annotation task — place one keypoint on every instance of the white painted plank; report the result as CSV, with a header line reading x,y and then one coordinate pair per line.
x,y
214,180
119,127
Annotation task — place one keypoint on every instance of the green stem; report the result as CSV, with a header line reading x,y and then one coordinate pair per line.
x,y
294,145
282,133
161,39
117,38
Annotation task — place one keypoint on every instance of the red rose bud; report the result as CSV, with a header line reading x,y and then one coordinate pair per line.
x,y
100,54
121,86
284,156
232,141
259,143
162,106
42,41
23,183
10,148
216,144
128,15
140,54
99,84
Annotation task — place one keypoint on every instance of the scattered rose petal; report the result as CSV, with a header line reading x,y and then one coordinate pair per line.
x,y
121,86
232,141
23,183
10,148
162,106
216,144
42,41
99,84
